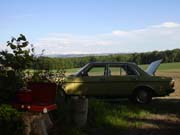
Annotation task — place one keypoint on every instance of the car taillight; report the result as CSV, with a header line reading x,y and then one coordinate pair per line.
x,y
172,83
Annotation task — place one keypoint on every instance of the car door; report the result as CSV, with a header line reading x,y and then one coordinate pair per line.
x,y
121,80
93,80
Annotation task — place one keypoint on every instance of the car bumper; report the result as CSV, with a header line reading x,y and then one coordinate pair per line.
x,y
170,91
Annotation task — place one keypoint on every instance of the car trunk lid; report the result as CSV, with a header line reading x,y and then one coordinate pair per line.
x,y
153,67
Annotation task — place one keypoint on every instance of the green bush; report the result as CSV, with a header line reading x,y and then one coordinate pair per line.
x,y
10,121
9,83
14,62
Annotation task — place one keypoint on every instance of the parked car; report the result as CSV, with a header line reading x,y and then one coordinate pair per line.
x,y
117,79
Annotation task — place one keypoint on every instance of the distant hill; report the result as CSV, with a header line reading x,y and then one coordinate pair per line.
x,y
80,55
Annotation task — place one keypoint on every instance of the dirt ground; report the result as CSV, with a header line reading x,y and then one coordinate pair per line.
x,y
176,76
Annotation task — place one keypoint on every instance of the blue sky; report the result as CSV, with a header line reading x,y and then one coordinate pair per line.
x,y
92,26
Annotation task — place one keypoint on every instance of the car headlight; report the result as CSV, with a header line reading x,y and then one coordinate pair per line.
x,y
172,83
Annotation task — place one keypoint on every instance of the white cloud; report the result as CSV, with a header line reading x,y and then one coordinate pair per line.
x,y
120,33
156,37
168,25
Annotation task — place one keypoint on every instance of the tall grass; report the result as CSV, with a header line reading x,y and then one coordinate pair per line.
x,y
102,114
105,116
121,116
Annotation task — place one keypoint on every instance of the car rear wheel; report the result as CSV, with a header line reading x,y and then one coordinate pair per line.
x,y
142,96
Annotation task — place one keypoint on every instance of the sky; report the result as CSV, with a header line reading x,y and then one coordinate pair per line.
x,y
92,26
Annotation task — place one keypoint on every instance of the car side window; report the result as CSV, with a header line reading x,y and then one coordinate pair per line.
x,y
116,71
130,71
120,70
96,71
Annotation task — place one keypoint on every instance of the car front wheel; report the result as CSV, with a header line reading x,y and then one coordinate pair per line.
x,y
142,96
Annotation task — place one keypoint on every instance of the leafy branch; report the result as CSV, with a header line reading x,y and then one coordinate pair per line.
x,y
20,55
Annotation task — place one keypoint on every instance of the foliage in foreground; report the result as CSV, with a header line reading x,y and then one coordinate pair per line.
x,y
9,83
10,121
20,55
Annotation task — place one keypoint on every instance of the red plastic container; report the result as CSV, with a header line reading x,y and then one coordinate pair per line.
x,y
43,93
39,97
24,96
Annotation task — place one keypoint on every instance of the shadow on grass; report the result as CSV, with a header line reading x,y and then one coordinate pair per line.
x,y
161,116
114,117
158,105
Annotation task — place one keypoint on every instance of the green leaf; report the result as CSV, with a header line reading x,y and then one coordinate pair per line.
x,y
21,37
8,43
12,46
13,39
24,44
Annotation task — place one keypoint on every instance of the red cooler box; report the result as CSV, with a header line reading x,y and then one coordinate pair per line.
x,y
39,97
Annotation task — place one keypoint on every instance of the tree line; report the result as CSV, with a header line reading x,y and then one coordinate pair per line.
x,y
22,57
76,62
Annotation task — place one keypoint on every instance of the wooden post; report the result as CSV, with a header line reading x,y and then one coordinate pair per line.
x,y
79,111
36,123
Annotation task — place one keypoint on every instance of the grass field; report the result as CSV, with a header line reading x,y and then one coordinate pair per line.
x,y
160,117
166,66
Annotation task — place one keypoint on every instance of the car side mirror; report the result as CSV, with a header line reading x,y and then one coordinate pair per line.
x,y
82,73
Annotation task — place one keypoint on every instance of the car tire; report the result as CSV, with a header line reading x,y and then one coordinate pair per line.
x,y
142,96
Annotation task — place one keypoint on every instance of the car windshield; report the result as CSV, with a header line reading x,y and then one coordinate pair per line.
x,y
80,70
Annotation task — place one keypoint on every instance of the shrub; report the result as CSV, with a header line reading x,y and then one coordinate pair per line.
x,y
10,121
9,83
20,56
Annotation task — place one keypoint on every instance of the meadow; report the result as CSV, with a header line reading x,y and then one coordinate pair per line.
x,y
166,67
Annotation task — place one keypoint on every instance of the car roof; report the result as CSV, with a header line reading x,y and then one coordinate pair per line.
x,y
112,63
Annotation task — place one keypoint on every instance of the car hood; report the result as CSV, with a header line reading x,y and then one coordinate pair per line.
x,y
153,67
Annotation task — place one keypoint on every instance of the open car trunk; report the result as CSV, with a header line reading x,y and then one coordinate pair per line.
x,y
153,67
